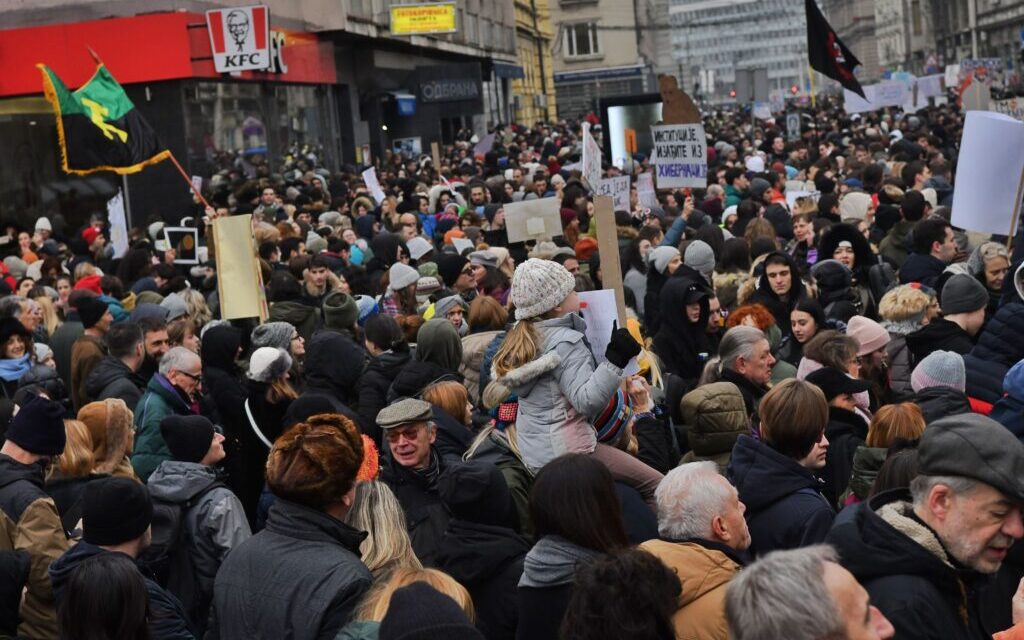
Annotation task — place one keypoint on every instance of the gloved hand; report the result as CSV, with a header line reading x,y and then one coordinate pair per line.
x,y
621,347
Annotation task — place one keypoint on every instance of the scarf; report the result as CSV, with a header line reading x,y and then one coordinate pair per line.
x,y
552,562
11,369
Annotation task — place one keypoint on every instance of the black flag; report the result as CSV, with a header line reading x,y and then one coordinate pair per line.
x,y
827,54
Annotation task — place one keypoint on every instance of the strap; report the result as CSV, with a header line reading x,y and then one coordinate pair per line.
x,y
255,429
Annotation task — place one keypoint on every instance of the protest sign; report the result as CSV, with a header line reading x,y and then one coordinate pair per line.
x,y
118,224
591,168
435,155
977,96
878,96
197,183
370,178
533,219
599,313
645,189
762,111
462,245
239,281
682,156
777,101
793,196
185,242
988,185
618,189
608,246
1012,107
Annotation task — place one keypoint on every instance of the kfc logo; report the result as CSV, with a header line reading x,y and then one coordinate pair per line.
x,y
240,38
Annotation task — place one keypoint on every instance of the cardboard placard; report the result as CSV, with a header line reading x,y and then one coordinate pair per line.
x,y
676,106
435,155
239,281
185,242
591,163
533,219
608,246
618,189
682,156
988,184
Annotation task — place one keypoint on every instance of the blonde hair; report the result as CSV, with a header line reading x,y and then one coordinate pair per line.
x,y
84,269
375,606
51,319
521,345
494,394
904,420
77,459
387,546
198,310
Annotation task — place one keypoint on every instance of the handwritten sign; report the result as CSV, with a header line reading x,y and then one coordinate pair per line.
x,y
618,189
682,156
591,168
533,219
1012,107
645,189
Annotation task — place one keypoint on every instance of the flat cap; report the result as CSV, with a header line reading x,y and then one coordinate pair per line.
x,y
974,446
402,412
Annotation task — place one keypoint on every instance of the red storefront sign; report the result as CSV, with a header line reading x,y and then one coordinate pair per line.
x,y
149,48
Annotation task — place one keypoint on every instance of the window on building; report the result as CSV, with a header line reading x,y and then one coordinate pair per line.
x,y
915,16
472,23
581,40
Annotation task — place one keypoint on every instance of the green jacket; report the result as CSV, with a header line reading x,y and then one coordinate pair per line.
x,y
893,245
159,401
733,196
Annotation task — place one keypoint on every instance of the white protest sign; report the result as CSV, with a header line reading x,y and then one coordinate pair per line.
x,y
239,38
197,183
881,95
1012,107
682,156
370,178
777,101
793,196
645,189
533,219
930,86
591,168
118,224
599,313
762,111
987,192
462,245
618,189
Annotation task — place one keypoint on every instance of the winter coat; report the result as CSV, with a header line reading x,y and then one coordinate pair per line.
x,y
67,494
29,522
488,561
715,417
704,569
867,461
900,360
496,450
906,570
939,402
426,517
923,269
159,401
14,570
111,378
560,392
62,341
780,309
213,526
846,432
299,578
304,318
86,353
938,335
655,445
546,586
333,365
679,343
785,508
999,347
1009,411
222,383
473,347
751,393
373,387
415,376
894,244
167,619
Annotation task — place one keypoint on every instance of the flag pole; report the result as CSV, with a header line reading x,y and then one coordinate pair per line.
x,y
810,74
187,179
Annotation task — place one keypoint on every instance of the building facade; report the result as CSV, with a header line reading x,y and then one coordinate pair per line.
x,y
854,23
533,94
906,42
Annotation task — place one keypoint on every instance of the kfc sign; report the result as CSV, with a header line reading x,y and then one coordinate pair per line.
x,y
240,38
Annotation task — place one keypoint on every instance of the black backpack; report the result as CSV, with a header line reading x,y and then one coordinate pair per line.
x,y
162,556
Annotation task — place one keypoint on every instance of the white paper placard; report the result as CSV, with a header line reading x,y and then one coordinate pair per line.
x,y
645,189
591,158
370,178
682,156
618,189
533,219
118,224
988,172
461,244
791,197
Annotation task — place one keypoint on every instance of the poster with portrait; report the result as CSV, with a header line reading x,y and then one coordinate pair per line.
x,y
185,242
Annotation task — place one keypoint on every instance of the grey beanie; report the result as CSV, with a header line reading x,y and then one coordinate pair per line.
x,y
175,306
16,266
700,256
963,294
315,243
940,369
538,286
659,257
444,305
401,276
273,334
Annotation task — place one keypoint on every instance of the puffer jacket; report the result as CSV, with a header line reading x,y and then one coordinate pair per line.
x,y
867,461
214,525
1009,411
29,522
473,347
715,417
111,378
999,347
900,361
560,392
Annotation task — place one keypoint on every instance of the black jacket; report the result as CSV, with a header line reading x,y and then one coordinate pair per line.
x,y
785,509
939,402
923,597
223,385
923,269
751,393
415,376
764,295
679,343
845,432
300,577
999,348
111,378
426,517
938,335
374,385
14,568
167,618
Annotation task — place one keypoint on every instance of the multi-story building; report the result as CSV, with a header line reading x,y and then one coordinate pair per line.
x,y
903,30
533,94
854,23
603,49
993,33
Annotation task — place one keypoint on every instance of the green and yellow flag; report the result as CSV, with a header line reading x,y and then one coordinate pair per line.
x,y
98,126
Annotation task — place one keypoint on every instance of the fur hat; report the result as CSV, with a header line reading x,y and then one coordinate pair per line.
x,y
110,427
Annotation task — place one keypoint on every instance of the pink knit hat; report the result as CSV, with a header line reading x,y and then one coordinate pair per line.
x,y
869,334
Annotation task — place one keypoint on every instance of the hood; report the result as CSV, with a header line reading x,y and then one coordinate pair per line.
x,y
521,380
552,562
176,481
291,312
109,369
837,233
866,463
472,553
438,342
333,361
220,347
416,376
388,364
12,471
764,476
61,568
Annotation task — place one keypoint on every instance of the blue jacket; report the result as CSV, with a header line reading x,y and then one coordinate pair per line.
x,y
1009,411
999,347
921,268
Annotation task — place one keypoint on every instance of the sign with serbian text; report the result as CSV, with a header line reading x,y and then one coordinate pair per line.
x,y
682,156
240,38
415,19
618,189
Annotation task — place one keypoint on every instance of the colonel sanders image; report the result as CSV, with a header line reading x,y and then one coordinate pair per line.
x,y
238,25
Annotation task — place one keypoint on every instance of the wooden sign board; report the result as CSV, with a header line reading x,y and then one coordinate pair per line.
x,y
608,246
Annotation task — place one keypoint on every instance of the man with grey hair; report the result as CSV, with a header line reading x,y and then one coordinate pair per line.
x,y
703,537
803,594
173,390
744,359
925,554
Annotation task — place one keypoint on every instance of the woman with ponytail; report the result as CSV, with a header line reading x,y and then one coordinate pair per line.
x,y
546,362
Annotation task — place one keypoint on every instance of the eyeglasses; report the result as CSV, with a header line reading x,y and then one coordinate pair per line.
x,y
196,377
409,433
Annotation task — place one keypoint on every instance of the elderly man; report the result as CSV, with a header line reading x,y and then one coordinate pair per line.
x,y
746,361
413,470
703,537
171,391
801,595
923,554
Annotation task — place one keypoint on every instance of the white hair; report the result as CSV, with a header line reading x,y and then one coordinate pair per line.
x,y
178,359
689,497
922,485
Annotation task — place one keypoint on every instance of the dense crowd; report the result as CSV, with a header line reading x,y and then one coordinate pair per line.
x,y
808,427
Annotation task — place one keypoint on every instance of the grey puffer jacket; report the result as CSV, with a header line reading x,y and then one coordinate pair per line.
x,y
213,526
560,392
900,361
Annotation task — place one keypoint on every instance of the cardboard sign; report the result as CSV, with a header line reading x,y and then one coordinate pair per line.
x,y
645,189
618,189
370,178
608,246
240,38
533,219
435,155
591,168
118,220
185,242
682,156
988,184
239,281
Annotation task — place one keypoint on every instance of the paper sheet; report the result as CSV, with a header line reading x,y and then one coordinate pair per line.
x,y
988,174
533,219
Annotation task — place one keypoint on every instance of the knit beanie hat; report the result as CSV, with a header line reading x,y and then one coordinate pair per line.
x,y
39,427
869,334
449,266
444,305
16,266
610,423
401,276
188,437
90,310
700,256
538,286
367,308
175,306
963,294
428,270
268,363
148,310
854,204
340,310
484,258
273,334
476,491
940,369
315,243
115,510
659,257
420,612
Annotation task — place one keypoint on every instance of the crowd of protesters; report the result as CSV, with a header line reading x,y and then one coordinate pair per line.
x,y
809,427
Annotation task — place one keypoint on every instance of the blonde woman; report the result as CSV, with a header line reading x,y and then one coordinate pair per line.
x,y
374,606
198,310
387,547
51,319
71,471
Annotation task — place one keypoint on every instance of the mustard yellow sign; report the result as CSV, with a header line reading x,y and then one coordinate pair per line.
x,y
417,19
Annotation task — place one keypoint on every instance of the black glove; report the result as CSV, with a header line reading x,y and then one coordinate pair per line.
x,y
621,347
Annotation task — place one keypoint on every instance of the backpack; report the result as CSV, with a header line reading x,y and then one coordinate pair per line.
x,y
163,556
